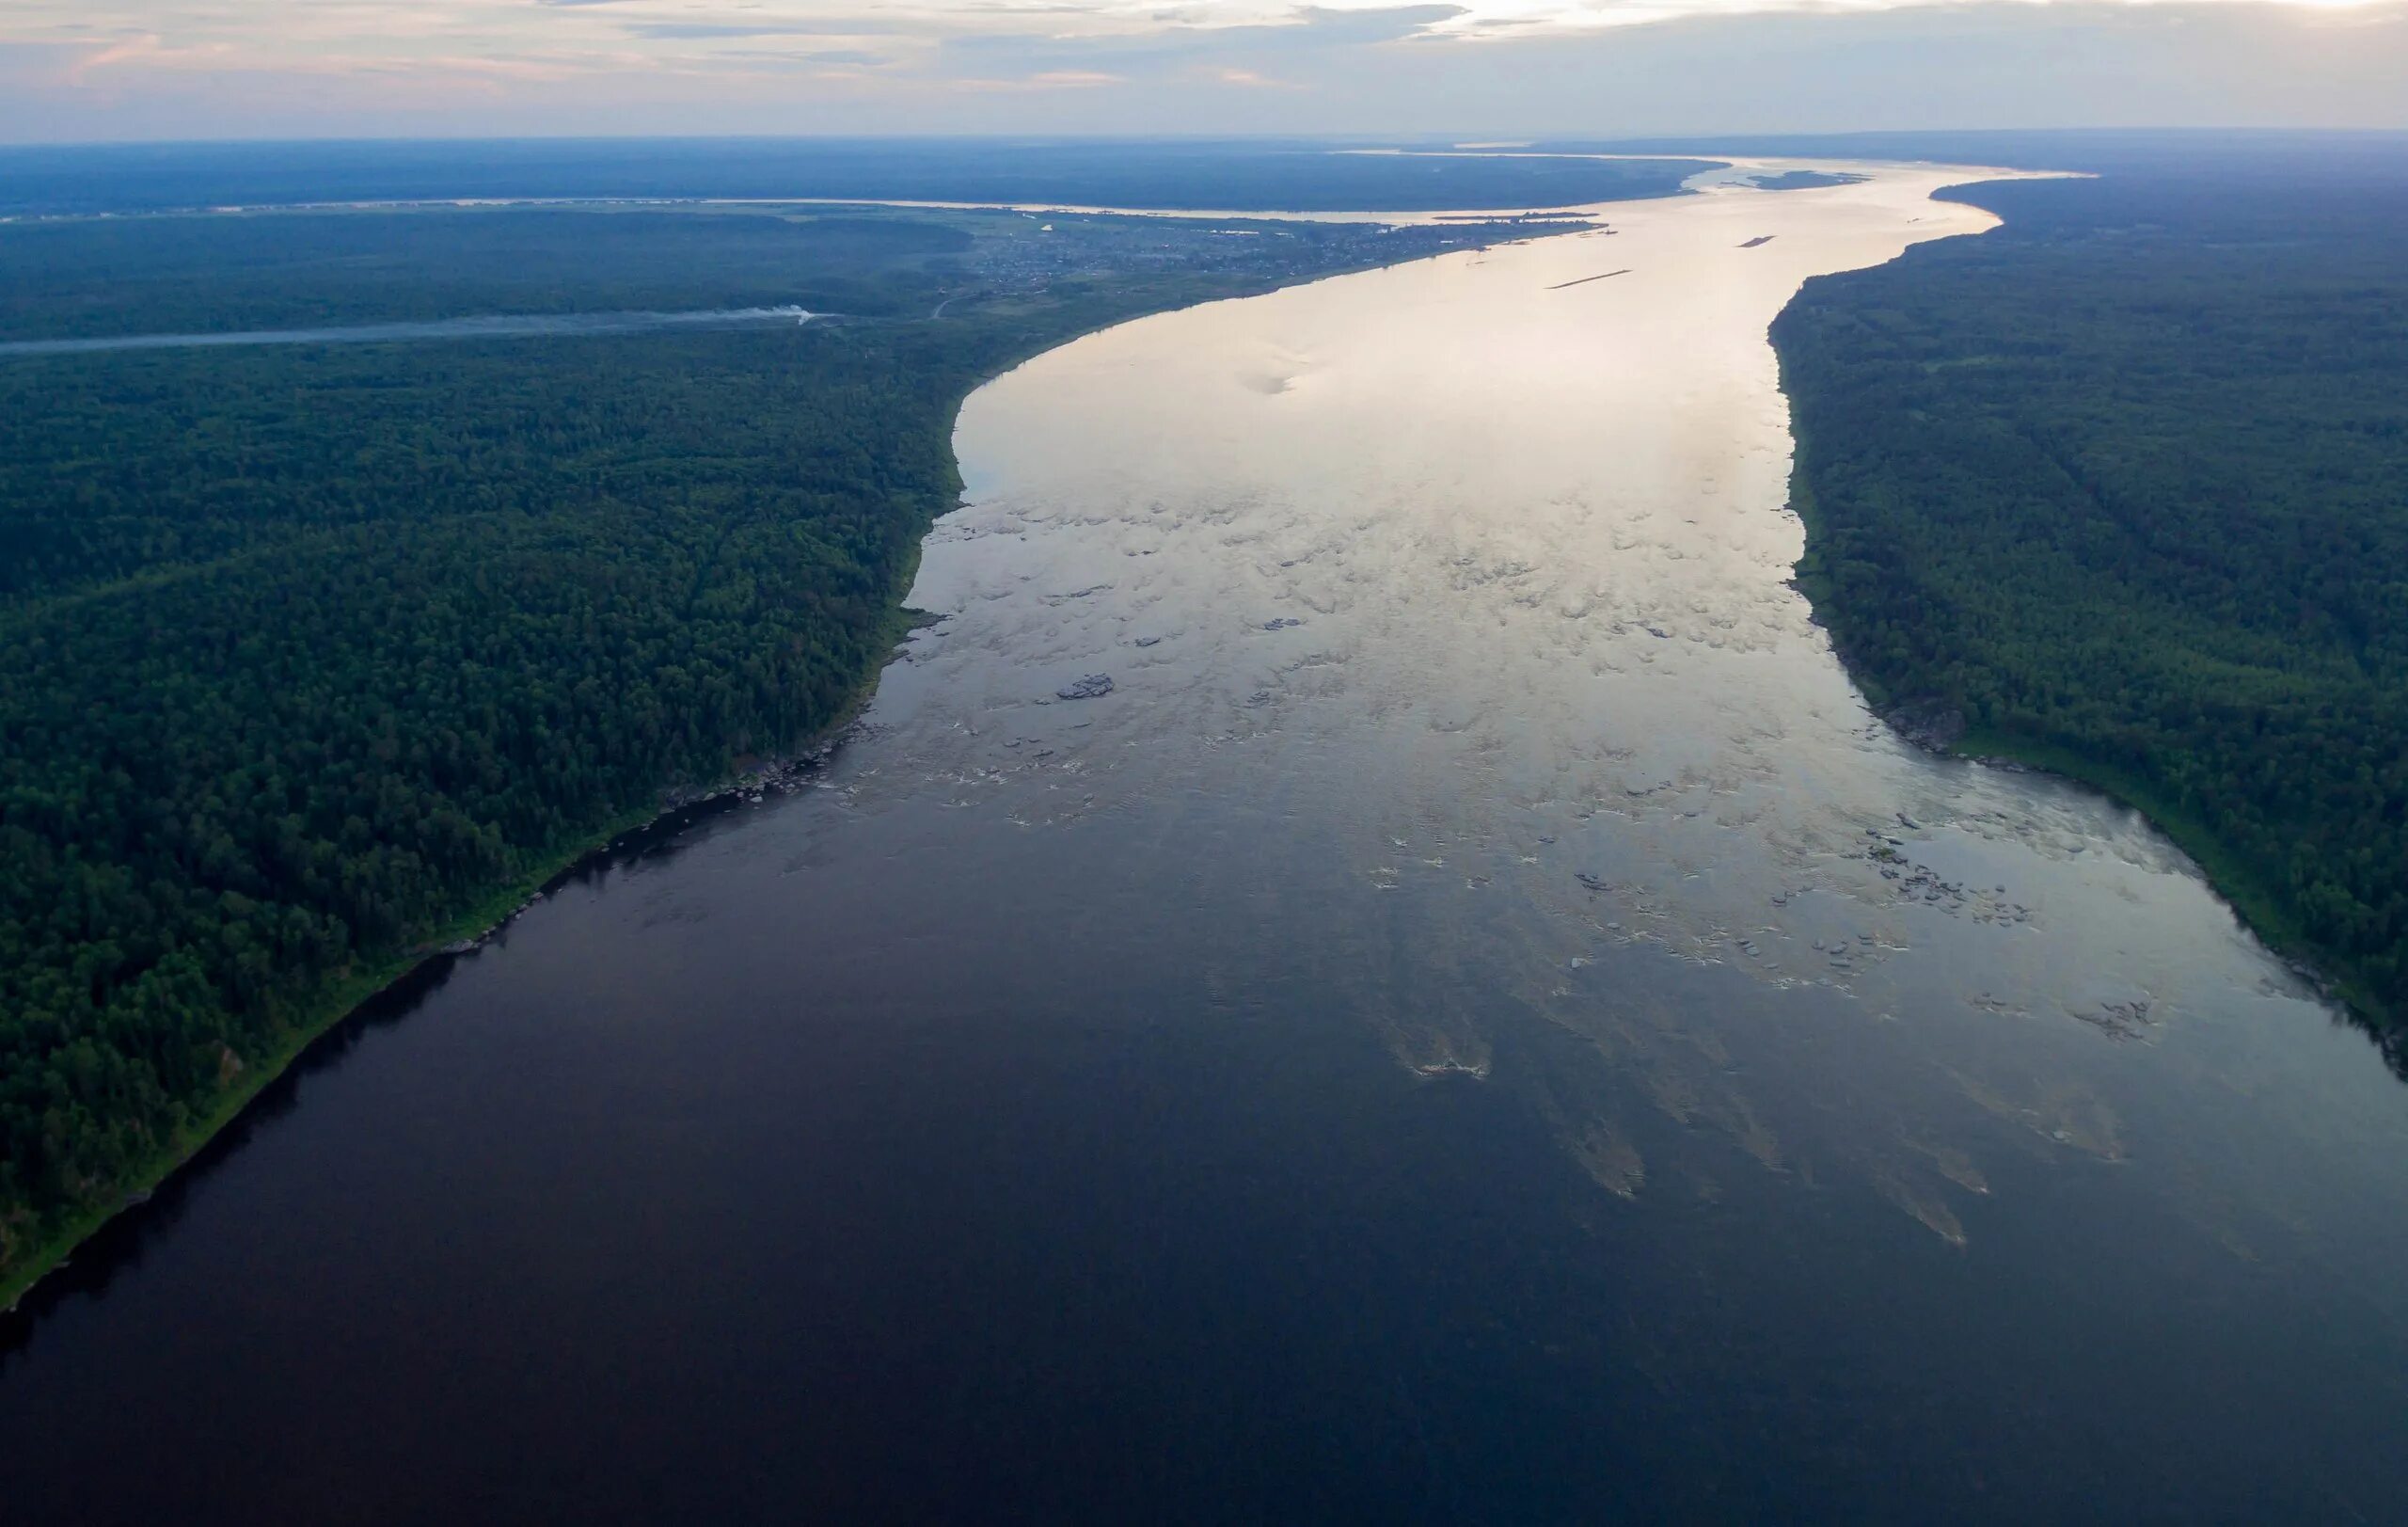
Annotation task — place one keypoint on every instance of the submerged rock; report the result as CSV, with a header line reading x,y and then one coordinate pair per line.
x,y
1094,686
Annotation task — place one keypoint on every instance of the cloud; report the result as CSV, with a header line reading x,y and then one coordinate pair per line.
x,y
689,31
1472,67
116,52
1334,28
1237,53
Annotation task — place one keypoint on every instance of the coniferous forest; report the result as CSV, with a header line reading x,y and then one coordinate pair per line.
x,y
315,656
2121,489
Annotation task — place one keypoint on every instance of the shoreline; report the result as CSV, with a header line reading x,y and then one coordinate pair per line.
x,y
464,935
2233,887
1948,735
453,940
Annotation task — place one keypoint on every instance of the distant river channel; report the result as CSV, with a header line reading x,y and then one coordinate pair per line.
x,y
1475,1021
483,327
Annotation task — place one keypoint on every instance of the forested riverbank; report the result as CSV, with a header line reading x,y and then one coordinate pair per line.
x,y
313,658
2121,489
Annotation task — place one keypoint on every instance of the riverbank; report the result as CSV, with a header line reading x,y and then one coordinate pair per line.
x,y
1016,328
1989,438
459,937
2252,900
1944,733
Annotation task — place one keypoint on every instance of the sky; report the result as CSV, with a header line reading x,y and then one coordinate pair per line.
x,y
81,71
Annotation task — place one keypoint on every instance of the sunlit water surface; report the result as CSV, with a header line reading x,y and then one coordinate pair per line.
x,y
1478,1021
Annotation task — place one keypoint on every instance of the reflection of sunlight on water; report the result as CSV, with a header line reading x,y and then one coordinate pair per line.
x,y
1453,651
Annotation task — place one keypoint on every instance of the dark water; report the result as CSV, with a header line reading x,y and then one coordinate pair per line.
x,y
1442,1039
487,327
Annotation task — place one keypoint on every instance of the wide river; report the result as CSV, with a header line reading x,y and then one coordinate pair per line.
x,y
1480,1022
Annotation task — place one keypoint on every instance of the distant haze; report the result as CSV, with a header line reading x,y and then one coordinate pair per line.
x,y
99,70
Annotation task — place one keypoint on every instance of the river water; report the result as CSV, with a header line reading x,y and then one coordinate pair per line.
x,y
1479,1022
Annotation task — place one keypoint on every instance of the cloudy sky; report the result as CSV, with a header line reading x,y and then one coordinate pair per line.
x,y
92,69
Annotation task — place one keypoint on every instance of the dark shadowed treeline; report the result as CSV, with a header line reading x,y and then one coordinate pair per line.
x,y
2125,485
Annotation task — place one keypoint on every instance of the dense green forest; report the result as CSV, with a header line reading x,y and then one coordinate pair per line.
x,y
309,654
2122,488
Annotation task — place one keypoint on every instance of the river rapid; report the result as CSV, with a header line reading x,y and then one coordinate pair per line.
x,y
1477,1021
